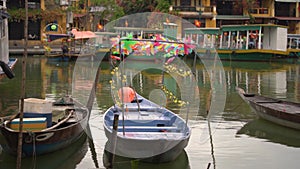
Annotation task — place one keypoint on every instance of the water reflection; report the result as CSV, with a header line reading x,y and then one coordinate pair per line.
x,y
270,79
66,158
56,77
263,129
181,162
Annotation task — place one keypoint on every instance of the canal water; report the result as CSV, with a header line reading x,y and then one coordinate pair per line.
x,y
237,139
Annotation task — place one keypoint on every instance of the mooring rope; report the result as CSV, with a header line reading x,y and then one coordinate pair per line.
x,y
32,135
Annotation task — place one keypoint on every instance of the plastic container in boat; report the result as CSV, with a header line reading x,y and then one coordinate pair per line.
x,y
34,107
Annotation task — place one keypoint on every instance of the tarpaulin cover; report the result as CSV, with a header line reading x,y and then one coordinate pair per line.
x,y
83,34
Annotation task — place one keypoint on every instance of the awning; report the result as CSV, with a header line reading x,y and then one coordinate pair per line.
x,y
239,27
212,31
249,27
287,18
83,34
232,17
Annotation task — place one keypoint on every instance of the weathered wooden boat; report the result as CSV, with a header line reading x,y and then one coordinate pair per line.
x,y
46,128
281,112
145,131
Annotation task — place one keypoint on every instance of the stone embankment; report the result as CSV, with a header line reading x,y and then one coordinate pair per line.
x,y
32,50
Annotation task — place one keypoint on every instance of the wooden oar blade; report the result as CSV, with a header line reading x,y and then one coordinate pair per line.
x,y
6,69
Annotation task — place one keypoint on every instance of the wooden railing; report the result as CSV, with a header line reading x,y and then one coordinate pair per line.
x,y
185,8
206,9
260,11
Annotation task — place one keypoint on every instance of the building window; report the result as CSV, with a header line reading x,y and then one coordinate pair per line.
x,y
33,5
185,3
64,2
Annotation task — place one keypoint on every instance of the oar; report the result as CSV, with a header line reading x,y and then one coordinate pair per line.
x,y
6,69
61,122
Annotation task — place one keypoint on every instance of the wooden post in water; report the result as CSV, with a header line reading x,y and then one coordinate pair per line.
x,y
90,107
19,150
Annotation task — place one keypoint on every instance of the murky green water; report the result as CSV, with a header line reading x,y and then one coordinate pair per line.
x,y
239,139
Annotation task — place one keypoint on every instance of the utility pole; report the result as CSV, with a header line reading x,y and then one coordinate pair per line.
x,y
69,16
19,152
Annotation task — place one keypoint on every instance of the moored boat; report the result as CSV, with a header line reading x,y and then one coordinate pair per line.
x,y
145,131
71,45
281,112
46,128
253,42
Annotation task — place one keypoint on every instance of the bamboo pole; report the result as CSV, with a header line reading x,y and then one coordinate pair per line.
x,y
19,153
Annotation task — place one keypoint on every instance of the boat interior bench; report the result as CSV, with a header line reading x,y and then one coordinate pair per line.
x,y
154,135
149,129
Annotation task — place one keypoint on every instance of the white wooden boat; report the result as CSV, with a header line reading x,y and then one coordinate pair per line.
x,y
145,131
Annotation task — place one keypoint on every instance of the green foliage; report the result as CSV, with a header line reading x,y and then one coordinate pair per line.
x,y
137,6
162,6
18,15
111,9
248,5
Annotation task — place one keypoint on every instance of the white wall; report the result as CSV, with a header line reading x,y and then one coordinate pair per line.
x,y
275,38
281,39
4,41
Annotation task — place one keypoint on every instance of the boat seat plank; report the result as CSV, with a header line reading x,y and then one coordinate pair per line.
x,y
153,135
266,101
149,128
142,116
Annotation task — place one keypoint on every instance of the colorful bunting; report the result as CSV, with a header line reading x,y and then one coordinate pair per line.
x,y
132,46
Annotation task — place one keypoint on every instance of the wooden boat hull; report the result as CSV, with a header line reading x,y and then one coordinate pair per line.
x,y
152,134
277,111
71,57
69,156
138,150
277,116
258,55
42,142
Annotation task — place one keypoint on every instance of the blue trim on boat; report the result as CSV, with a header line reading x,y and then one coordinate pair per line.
x,y
39,149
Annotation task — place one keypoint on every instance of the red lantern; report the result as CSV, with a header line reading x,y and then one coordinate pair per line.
x,y
99,26
197,23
